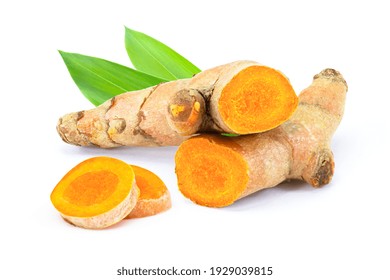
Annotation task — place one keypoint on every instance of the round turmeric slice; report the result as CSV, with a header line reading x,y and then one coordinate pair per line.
x,y
96,193
154,195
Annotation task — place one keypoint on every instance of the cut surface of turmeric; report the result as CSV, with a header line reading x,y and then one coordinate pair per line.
x,y
257,99
215,171
154,196
242,97
96,193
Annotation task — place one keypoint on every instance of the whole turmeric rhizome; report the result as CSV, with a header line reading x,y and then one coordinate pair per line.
x,y
102,191
282,136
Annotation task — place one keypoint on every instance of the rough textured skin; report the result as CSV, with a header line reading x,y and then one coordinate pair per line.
x,y
298,149
109,218
163,115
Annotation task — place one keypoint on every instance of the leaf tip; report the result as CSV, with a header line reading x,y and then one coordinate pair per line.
x,y
63,53
129,30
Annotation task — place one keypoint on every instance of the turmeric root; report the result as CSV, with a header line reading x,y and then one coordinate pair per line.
x,y
154,196
241,97
96,193
215,171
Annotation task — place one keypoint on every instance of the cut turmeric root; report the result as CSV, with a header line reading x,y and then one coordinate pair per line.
x,y
242,97
215,171
154,195
96,193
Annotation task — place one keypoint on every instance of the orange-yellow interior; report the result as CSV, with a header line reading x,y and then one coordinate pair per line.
x,y
93,187
257,99
149,184
210,173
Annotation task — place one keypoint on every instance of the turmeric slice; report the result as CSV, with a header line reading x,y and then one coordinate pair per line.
x,y
96,193
241,97
154,195
216,171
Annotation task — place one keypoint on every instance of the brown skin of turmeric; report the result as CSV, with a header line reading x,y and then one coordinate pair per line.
x,y
241,97
215,171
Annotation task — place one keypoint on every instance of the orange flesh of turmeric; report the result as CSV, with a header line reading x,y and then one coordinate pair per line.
x,y
154,196
214,180
150,185
257,99
93,187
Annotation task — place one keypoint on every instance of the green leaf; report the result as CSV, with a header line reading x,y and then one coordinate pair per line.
x,y
153,57
100,80
230,134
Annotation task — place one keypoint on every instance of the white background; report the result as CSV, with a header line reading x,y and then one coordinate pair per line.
x,y
337,232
